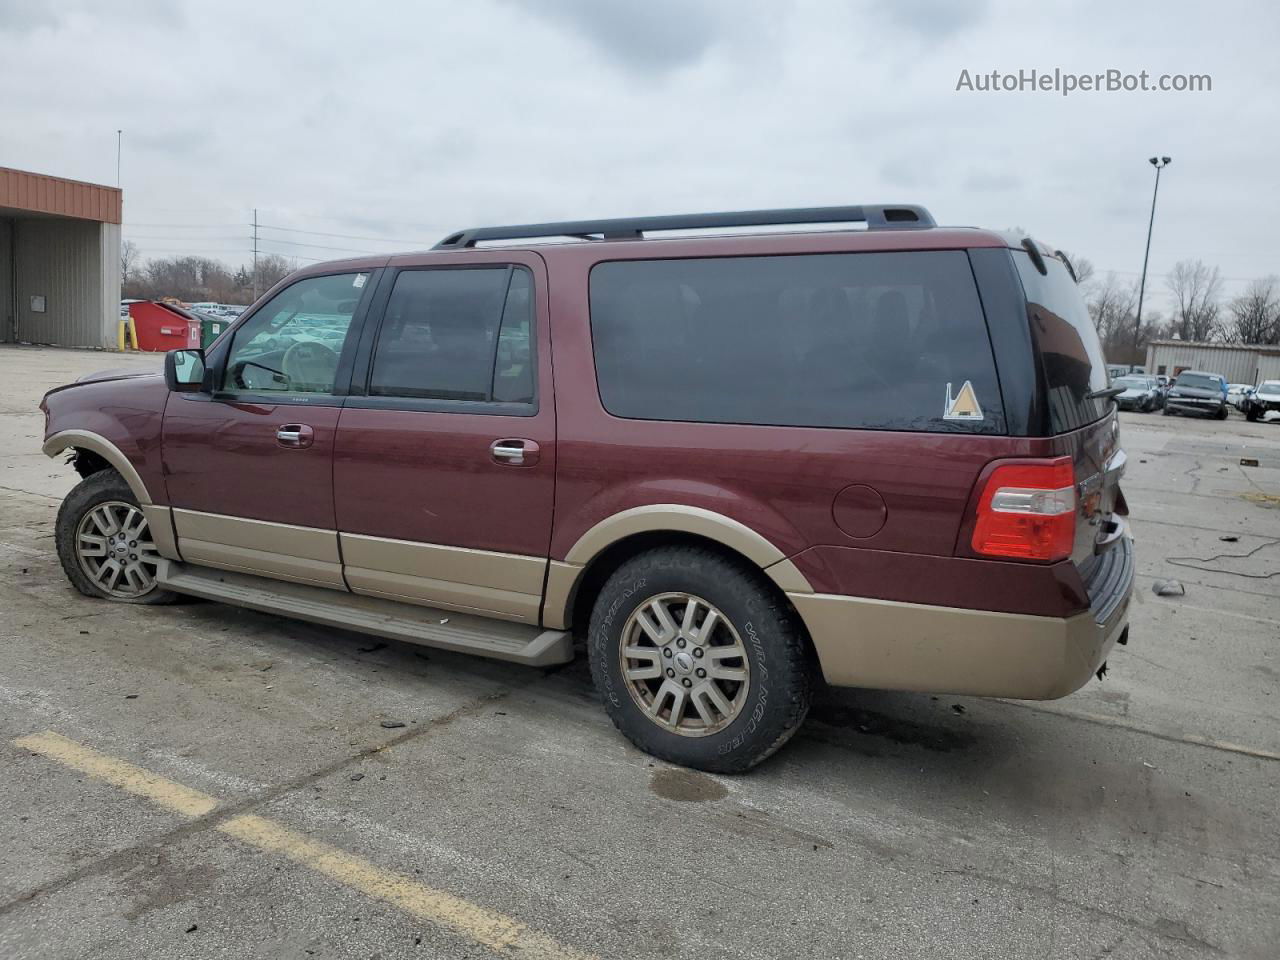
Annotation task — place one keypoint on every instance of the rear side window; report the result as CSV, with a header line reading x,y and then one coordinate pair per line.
x,y
1070,353
893,341
457,334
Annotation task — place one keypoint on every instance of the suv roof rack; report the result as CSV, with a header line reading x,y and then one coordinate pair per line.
x,y
876,217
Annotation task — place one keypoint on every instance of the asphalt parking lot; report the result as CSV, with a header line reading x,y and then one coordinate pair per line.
x,y
200,781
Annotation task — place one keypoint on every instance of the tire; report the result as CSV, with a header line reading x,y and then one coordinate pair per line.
x,y
1168,411
1222,413
766,707
108,493
1251,415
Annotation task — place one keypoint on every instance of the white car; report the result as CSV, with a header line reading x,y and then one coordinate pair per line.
x,y
1237,394
1263,401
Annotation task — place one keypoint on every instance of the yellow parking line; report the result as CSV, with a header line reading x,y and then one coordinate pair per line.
x,y
118,773
491,929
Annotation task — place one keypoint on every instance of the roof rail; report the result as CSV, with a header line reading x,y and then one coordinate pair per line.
x,y
876,217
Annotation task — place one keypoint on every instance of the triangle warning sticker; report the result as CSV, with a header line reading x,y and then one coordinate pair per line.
x,y
963,406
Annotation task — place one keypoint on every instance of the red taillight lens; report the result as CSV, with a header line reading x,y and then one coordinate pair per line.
x,y
1028,511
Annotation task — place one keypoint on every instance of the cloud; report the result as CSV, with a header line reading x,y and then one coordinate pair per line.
x,y
650,36
935,20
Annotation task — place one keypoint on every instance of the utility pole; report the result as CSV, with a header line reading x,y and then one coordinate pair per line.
x,y
255,253
1159,163
119,139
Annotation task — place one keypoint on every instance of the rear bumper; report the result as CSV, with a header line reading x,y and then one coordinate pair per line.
x,y
889,645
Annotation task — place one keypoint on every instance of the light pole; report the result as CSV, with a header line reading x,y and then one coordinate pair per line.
x,y
1159,163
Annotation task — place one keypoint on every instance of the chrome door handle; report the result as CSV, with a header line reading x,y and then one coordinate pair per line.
x,y
518,453
294,435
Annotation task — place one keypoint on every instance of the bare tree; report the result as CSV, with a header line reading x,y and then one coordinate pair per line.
x,y
272,268
1197,291
1255,314
129,259
1113,307
1083,267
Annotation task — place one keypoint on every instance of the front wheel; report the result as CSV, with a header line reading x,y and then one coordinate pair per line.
x,y
104,542
1222,413
1251,415
699,660
1168,411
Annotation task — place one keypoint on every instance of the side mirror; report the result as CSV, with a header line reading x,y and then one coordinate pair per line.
x,y
184,370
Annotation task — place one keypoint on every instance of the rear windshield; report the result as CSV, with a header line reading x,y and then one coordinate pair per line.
x,y
1198,381
1070,354
893,341
1131,383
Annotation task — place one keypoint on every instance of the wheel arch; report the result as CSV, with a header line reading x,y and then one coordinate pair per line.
x,y
100,446
573,583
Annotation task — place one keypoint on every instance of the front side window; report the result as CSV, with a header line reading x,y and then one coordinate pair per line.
x,y
457,334
891,341
292,344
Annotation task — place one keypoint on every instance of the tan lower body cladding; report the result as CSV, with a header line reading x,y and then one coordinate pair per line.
x,y
886,645
500,585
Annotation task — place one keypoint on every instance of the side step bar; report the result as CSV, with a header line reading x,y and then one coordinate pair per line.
x,y
466,633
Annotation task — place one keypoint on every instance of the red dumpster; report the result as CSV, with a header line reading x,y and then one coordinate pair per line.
x,y
163,326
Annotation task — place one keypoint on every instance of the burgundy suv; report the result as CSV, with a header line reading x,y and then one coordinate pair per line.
x,y
886,456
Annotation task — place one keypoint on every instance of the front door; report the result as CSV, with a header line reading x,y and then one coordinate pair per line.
x,y
249,467
444,464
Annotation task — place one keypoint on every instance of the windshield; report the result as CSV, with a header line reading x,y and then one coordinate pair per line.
x,y
1197,381
1269,386
1132,383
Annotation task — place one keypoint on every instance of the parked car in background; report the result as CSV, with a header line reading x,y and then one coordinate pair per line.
x,y
728,487
1263,400
1140,393
1195,391
1237,393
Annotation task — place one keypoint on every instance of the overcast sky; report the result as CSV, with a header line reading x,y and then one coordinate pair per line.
x,y
406,121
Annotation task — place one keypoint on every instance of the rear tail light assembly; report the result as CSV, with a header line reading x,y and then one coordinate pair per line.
x,y
1027,511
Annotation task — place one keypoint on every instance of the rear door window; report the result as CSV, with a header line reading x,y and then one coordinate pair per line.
x,y
457,334
1070,353
892,341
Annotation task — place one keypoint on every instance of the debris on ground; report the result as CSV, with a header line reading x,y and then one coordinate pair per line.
x,y
1248,461
1169,588
392,724
357,777
193,928
131,696
1229,538
957,707
373,649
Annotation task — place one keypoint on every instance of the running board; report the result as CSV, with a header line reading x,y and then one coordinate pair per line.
x,y
466,633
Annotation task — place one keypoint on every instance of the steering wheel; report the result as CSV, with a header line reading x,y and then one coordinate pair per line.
x,y
309,365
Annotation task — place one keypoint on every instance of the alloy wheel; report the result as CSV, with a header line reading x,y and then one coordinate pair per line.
x,y
115,550
684,664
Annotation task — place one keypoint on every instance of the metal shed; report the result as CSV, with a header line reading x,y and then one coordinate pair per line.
x,y
1239,362
59,260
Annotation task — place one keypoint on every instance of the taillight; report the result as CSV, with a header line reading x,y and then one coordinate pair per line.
x,y
1028,510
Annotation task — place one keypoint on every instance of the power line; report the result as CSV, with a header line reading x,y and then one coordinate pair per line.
x,y
343,236
317,246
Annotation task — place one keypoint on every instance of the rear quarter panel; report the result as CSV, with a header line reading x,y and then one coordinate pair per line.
x,y
783,482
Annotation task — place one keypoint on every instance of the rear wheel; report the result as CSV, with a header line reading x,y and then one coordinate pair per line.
x,y
1168,411
105,544
699,660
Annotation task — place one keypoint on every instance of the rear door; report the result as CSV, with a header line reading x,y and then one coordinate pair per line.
x,y
444,468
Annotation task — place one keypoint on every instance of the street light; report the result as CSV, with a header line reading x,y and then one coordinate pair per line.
x,y
1159,163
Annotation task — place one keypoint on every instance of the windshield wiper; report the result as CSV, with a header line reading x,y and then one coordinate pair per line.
x,y
1110,393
